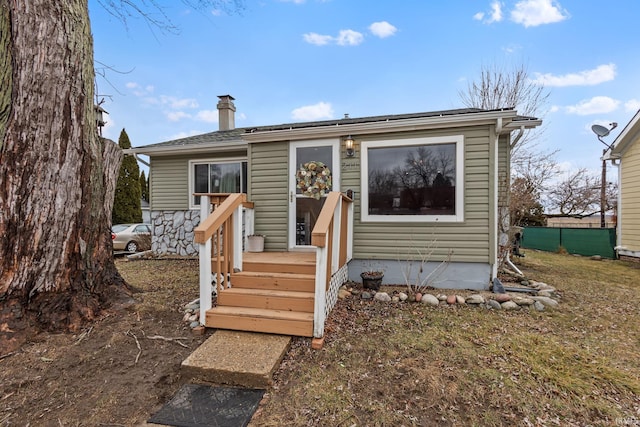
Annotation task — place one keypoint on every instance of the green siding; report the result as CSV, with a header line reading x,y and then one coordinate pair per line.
x,y
169,175
269,190
169,178
469,239
168,185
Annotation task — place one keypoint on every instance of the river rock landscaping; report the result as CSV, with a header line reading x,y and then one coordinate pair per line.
x,y
527,294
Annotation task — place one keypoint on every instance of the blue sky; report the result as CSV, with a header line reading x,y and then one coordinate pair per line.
x,y
298,60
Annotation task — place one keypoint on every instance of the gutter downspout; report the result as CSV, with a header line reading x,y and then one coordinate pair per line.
x,y
508,258
496,220
132,152
508,262
144,162
517,138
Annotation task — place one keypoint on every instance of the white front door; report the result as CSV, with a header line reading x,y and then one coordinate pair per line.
x,y
305,206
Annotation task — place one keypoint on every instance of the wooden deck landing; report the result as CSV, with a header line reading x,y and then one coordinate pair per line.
x,y
308,258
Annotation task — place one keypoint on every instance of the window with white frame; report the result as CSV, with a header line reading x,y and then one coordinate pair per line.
x,y
219,176
413,180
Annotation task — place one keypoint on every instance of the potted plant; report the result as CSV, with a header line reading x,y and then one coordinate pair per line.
x,y
255,243
372,277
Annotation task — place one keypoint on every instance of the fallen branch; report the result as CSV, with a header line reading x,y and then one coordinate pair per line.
x,y
175,340
4,356
131,334
83,335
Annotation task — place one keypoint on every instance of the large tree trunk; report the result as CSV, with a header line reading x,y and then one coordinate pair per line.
x,y
57,176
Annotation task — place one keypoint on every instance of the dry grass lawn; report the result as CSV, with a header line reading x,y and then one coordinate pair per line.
x,y
382,364
409,364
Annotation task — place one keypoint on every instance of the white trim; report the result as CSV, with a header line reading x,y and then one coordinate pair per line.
x,y
458,140
204,256
218,160
495,239
620,208
628,252
179,149
334,143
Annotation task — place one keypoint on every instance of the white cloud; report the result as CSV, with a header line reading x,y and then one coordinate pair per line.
x,y
317,39
632,105
138,90
511,48
175,116
532,13
109,129
554,109
595,105
600,74
494,16
344,38
321,110
382,29
349,38
209,116
178,103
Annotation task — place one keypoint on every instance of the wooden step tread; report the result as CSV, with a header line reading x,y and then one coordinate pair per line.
x,y
270,293
263,313
299,276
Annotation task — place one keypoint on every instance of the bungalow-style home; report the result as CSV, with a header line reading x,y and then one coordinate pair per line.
x,y
399,193
625,153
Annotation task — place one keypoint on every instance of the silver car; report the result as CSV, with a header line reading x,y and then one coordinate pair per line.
x,y
131,237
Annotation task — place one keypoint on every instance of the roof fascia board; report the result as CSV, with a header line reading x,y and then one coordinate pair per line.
x,y
399,125
187,149
624,140
528,124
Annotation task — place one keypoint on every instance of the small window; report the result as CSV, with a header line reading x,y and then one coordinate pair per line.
x,y
413,180
218,177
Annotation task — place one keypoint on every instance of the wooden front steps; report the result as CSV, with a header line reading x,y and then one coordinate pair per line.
x,y
274,293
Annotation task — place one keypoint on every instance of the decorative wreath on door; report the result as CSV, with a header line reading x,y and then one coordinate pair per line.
x,y
314,179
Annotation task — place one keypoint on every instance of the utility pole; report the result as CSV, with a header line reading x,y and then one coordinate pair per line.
x,y
601,132
603,192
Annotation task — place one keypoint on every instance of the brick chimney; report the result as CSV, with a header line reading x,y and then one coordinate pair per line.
x,y
226,113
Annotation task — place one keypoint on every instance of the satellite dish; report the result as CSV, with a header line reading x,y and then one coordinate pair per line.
x,y
601,131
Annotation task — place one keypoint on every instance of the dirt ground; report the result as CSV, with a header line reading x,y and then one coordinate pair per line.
x,y
118,370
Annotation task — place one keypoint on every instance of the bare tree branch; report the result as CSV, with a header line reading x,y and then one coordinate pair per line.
x,y
499,87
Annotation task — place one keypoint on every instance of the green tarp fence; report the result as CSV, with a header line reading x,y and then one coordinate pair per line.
x,y
581,241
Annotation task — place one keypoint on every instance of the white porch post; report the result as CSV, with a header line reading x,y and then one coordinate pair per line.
x,y
337,232
238,238
248,224
320,294
349,231
205,264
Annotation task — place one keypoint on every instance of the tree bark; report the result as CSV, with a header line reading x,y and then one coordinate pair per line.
x,y
57,175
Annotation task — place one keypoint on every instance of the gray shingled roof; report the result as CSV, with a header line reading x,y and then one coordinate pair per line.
x,y
370,119
221,136
235,135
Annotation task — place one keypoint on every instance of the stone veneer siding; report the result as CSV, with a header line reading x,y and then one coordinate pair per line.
x,y
172,232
